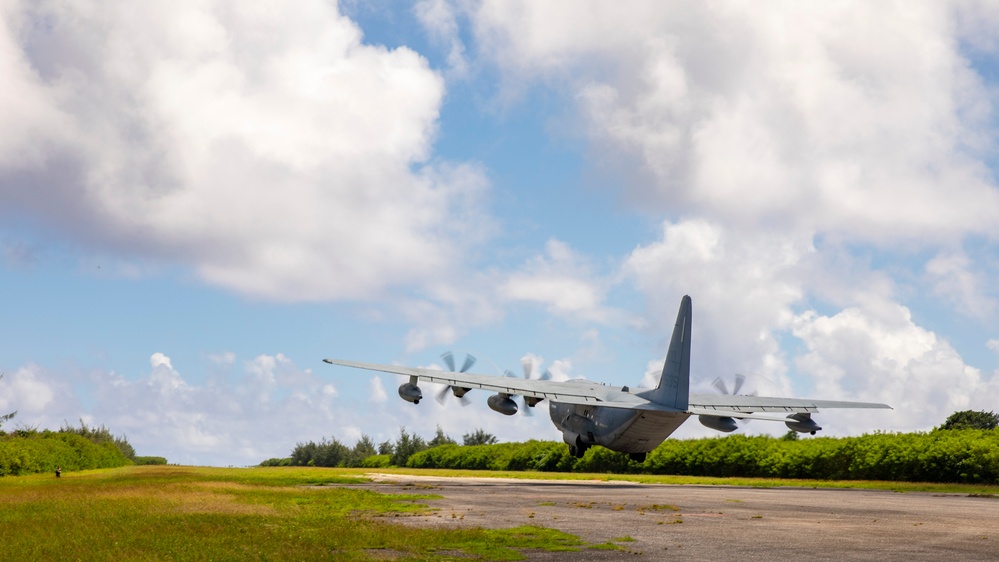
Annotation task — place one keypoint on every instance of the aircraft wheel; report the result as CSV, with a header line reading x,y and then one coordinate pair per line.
x,y
637,457
572,451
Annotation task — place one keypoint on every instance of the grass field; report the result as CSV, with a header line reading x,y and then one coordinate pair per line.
x,y
184,513
286,513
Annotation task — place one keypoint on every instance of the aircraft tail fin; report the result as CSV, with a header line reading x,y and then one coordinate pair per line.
x,y
674,383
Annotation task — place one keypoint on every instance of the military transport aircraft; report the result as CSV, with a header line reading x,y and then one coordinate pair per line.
x,y
633,421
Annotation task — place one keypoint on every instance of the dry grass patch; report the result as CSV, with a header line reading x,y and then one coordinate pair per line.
x,y
656,507
209,502
168,513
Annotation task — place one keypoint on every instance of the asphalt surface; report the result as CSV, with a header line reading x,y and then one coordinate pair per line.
x,y
717,522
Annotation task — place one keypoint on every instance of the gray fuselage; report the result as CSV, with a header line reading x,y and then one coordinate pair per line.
x,y
618,429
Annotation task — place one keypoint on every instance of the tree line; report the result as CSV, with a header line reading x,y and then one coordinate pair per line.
x,y
332,453
28,450
964,449
963,455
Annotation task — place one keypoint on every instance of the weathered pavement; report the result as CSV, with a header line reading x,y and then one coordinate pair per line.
x,y
717,522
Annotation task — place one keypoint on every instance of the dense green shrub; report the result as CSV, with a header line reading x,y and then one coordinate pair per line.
x,y
544,456
377,461
599,459
157,460
32,452
969,456
954,455
532,455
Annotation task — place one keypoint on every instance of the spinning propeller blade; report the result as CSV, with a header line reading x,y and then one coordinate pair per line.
x,y
441,395
739,381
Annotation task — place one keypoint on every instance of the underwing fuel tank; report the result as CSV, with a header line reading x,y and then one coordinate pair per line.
x,y
410,392
719,423
503,404
802,423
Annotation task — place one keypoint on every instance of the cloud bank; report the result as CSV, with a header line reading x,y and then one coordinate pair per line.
x,y
270,149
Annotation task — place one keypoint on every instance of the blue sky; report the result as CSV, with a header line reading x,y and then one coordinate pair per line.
x,y
200,202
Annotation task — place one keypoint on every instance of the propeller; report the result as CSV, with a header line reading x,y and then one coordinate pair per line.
x,y
723,388
739,380
457,391
529,368
448,358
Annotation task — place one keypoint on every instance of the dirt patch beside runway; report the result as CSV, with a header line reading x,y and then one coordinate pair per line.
x,y
717,522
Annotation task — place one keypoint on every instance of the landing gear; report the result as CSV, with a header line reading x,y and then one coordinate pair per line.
x,y
577,451
637,457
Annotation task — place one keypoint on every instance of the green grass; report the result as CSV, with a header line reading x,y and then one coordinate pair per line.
x,y
181,513
935,487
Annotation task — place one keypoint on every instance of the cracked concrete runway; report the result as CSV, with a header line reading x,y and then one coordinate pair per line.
x,y
717,522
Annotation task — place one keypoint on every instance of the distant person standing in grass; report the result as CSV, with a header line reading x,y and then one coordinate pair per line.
x,y
58,472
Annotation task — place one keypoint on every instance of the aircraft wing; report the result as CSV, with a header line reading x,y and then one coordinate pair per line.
x,y
758,407
566,392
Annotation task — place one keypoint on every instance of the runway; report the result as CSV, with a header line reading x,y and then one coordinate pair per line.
x,y
718,522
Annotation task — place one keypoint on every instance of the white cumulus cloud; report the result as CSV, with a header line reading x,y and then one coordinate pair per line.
x,y
561,280
269,148
955,279
865,122
877,352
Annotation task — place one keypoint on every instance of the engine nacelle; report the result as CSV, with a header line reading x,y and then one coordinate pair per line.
x,y
503,404
802,423
718,423
410,392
